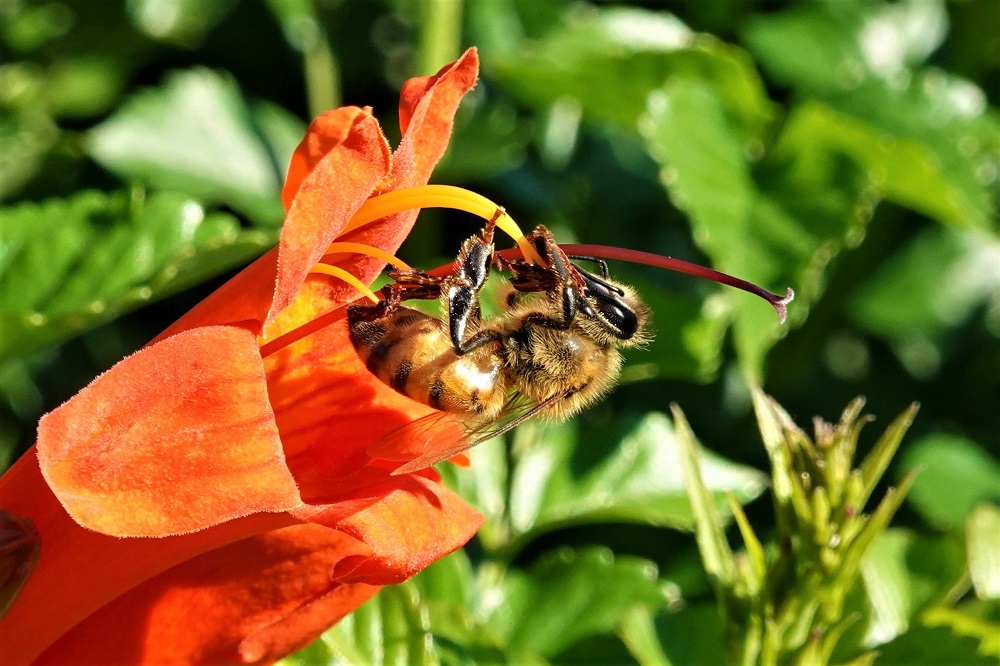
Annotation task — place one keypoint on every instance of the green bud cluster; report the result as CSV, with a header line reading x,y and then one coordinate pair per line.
x,y
783,601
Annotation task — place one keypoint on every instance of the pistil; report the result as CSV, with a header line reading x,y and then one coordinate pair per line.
x,y
779,303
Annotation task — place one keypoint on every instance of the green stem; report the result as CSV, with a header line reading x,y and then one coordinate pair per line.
x,y
322,74
440,34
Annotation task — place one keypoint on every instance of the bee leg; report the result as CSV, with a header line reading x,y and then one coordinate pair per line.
x,y
375,311
418,284
596,260
461,290
478,340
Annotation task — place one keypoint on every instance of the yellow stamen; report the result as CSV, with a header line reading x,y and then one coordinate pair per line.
x,y
341,274
361,248
441,196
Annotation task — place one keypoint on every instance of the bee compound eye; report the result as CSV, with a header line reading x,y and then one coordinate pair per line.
x,y
621,319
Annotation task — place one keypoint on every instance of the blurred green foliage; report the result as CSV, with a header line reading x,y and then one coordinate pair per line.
x,y
849,149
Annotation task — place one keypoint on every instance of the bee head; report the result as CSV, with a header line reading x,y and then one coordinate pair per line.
x,y
618,310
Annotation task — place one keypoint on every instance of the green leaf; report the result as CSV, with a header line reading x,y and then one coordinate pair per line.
x,y
69,265
490,139
933,645
197,134
453,598
933,283
610,59
923,136
689,334
638,633
693,635
808,47
625,470
83,86
180,21
757,570
708,528
878,459
26,135
956,474
983,547
904,165
904,573
391,628
485,485
975,618
706,172
571,595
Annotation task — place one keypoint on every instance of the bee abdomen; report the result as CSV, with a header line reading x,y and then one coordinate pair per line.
x,y
412,353
390,346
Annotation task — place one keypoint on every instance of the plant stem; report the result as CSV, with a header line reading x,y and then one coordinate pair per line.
x,y
440,34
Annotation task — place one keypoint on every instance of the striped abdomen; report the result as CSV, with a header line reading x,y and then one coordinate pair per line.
x,y
412,353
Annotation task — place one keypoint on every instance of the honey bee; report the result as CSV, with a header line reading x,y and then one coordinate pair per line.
x,y
552,352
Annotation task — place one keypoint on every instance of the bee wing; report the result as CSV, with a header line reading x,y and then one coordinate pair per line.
x,y
434,432
439,436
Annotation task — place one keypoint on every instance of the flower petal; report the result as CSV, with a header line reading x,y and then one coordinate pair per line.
x,y
343,158
413,522
253,601
80,571
427,111
330,409
427,107
171,440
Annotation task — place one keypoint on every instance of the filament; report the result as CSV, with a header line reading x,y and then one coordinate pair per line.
x,y
341,274
441,196
302,331
339,247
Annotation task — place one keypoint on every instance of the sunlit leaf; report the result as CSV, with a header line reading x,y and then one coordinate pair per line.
x,y
706,173
627,470
933,283
391,628
983,547
904,573
955,475
68,265
197,134
610,60
923,138
570,595
812,47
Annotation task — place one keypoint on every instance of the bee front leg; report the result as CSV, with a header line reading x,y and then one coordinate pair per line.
x,y
475,260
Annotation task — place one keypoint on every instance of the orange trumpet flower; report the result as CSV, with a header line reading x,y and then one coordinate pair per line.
x,y
240,447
